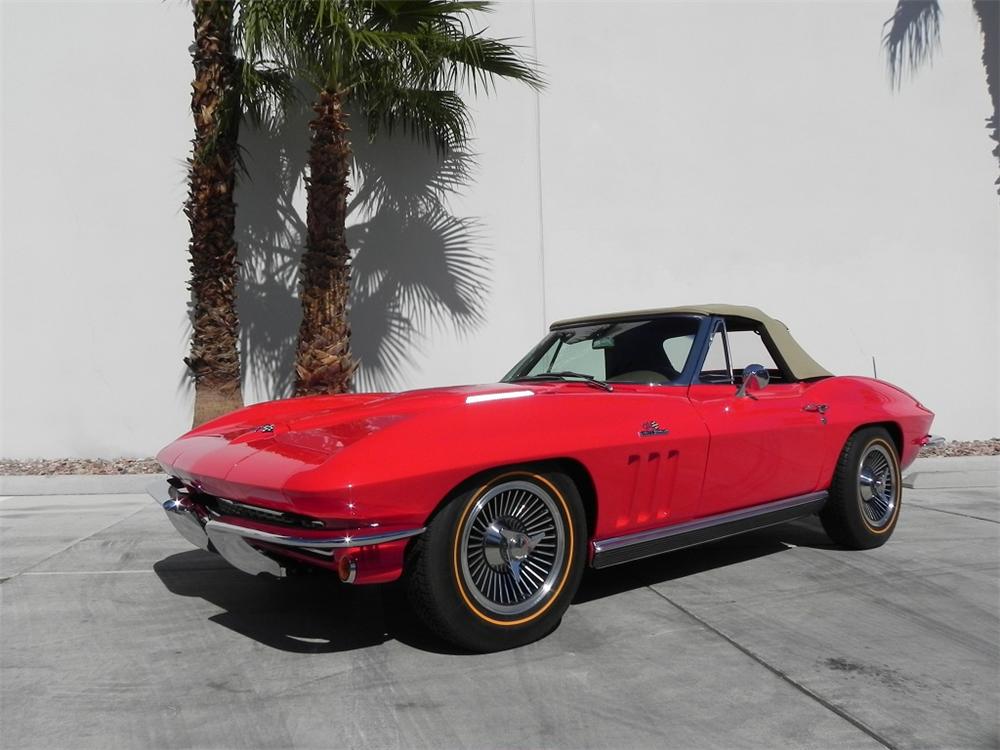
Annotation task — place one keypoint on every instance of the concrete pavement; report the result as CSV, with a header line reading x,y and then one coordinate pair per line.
x,y
114,633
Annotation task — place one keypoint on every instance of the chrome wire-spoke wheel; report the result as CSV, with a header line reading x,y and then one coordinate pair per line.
x,y
878,485
512,547
865,495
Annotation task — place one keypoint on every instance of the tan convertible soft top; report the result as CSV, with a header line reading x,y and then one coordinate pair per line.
x,y
802,366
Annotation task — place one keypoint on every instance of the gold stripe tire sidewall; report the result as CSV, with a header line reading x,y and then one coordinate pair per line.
x,y
567,561
434,576
897,488
843,517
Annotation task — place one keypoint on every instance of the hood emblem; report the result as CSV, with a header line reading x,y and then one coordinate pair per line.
x,y
652,429
264,428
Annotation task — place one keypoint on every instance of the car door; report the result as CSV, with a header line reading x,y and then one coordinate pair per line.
x,y
663,471
764,446
642,441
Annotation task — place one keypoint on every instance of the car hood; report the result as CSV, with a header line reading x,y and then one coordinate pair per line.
x,y
253,452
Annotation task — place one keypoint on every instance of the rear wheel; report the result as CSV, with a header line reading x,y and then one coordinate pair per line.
x,y
866,491
500,563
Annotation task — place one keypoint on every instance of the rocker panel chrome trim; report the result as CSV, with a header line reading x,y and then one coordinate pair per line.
x,y
616,550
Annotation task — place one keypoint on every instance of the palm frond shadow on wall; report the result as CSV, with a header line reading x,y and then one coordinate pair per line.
x,y
417,267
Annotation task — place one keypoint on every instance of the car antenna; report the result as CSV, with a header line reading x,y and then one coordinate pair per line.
x,y
874,368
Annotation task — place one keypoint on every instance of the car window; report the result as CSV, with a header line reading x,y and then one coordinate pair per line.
x,y
573,358
747,348
635,351
736,344
716,367
677,349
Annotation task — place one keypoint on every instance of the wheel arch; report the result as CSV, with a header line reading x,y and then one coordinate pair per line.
x,y
838,442
894,430
573,468
844,513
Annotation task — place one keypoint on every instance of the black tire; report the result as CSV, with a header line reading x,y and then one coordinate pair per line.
x,y
866,492
533,528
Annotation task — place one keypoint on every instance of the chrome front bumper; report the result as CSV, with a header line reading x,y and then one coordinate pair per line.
x,y
230,540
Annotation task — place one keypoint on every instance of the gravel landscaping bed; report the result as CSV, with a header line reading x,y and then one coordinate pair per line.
x,y
44,467
989,447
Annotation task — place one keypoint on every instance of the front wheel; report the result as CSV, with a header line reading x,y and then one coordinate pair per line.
x,y
500,563
866,491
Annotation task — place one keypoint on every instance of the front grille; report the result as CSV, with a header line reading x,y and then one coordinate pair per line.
x,y
264,515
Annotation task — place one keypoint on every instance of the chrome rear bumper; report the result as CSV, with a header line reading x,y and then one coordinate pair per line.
x,y
231,541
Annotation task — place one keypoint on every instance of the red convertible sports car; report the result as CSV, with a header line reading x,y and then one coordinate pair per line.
x,y
616,438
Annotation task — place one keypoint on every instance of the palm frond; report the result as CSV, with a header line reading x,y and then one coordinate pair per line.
x,y
911,36
265,90
437,118
415,15
401,62
362,45
478,61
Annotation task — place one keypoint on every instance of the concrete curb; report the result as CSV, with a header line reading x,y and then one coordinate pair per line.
x,y
77,484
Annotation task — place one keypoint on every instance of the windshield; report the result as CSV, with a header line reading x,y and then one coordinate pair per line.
x,y
636,351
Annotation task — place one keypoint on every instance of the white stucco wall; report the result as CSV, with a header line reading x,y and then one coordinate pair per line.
x,y
683,152
753,153
96,125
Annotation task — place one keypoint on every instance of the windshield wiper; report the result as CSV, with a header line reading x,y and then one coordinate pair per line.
x,y
566,375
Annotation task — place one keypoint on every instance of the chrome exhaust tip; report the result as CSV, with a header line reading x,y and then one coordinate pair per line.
x,y
347,569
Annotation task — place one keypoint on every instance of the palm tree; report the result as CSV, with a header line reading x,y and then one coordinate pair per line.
x,y
224,90
914,31
398,64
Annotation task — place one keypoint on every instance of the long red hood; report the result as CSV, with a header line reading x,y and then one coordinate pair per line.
x,y
253,453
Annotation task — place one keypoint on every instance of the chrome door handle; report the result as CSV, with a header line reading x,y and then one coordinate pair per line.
x,y
821,408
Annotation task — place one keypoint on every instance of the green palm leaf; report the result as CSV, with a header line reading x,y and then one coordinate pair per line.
x,y
399,65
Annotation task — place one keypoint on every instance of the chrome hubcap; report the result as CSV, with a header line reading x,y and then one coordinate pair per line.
x,y
512,547
877,485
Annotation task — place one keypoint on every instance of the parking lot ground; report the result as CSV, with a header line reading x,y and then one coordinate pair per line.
x,y
114,633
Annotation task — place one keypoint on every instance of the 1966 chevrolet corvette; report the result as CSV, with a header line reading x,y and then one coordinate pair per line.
x,y
616,438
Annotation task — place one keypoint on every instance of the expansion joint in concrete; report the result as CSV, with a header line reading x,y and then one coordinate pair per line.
x,y
778,672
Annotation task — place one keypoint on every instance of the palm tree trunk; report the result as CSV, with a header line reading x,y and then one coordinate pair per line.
x,y
989,20
323,361
211,211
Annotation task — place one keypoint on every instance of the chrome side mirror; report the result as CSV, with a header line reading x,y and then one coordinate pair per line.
x,y
756,375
